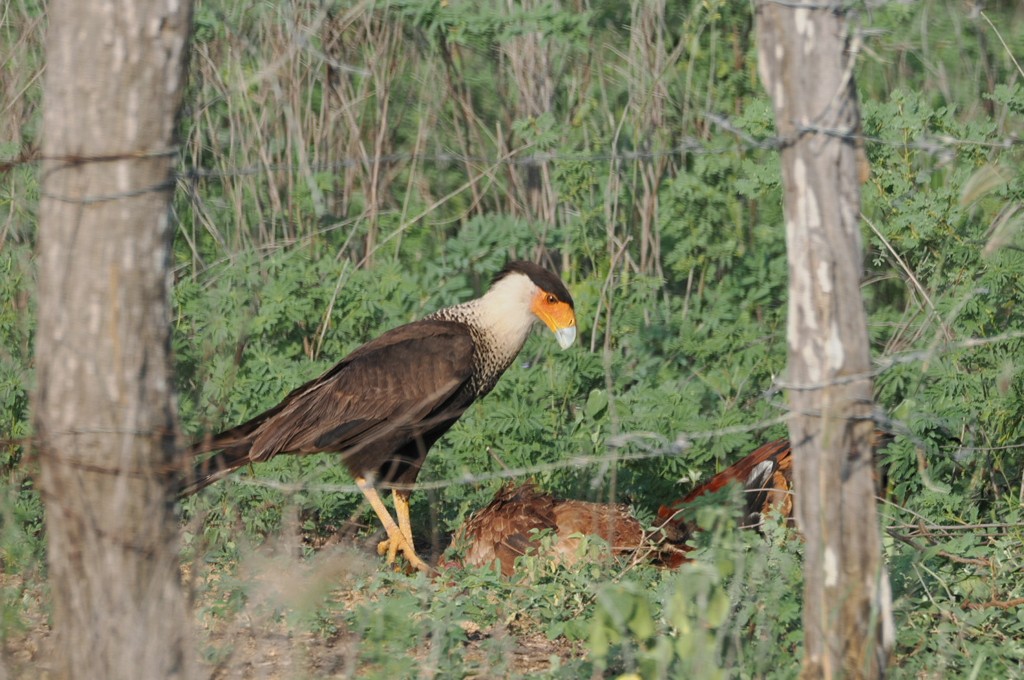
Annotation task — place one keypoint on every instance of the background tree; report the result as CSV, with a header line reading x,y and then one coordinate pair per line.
x,y
347,166
806,62
105,413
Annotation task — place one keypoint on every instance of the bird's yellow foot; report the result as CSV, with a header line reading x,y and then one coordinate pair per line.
x,y
393,545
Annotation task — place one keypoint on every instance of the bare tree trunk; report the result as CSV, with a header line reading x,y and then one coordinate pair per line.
x,y
806,63
104,409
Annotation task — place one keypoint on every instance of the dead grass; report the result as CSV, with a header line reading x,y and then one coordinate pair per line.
x,y
266,638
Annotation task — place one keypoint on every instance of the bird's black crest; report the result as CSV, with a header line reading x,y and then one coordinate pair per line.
x,y
544,279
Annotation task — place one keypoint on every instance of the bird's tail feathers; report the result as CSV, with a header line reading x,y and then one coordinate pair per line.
x,y
232,449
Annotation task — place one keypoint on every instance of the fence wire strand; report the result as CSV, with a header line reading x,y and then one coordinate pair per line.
x,y
940,146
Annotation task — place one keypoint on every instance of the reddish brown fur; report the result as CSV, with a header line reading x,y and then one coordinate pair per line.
x,y
504,530
770,489
507,528
767,479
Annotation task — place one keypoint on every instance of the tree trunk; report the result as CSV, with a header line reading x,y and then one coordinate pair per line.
x,y
806,64
104,409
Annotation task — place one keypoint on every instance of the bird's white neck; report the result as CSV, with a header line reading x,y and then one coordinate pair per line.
x,y
503,313
505,310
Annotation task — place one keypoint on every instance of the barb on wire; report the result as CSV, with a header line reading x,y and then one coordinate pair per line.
x,y
166,185
65,162
940,146
886,363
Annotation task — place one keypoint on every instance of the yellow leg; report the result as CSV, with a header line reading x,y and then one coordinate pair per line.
x,y
396,540
401,498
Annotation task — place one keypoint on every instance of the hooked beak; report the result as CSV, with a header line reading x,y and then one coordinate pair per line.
x,y
566,336
559,317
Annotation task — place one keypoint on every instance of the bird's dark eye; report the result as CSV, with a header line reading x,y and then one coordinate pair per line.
x,y
552,299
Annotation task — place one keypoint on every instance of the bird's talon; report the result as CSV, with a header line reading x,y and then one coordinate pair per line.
x,y
393,546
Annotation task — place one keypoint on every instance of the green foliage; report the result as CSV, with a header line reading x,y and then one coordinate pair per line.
x,y
624,622
957,599
922,221
17,324
481,25
737,606
21,515
293,247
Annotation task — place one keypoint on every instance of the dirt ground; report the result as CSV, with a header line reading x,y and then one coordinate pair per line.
x,y
256,642
277,653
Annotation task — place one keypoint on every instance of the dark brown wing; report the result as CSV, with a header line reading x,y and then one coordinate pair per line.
x,y
410,381
389,390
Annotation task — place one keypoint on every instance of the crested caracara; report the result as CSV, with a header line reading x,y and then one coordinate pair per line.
x,y
385,404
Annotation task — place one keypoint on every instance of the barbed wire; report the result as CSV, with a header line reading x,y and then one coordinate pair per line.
x,y
663,448
941,146
922,527
657,446
682,440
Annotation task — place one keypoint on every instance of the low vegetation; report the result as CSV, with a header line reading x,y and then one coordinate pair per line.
x,y
346,168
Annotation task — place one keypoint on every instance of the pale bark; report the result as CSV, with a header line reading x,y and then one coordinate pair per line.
x,y
806,63
104,409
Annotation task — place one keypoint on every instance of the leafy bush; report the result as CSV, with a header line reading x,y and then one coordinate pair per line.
x,y
346,170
